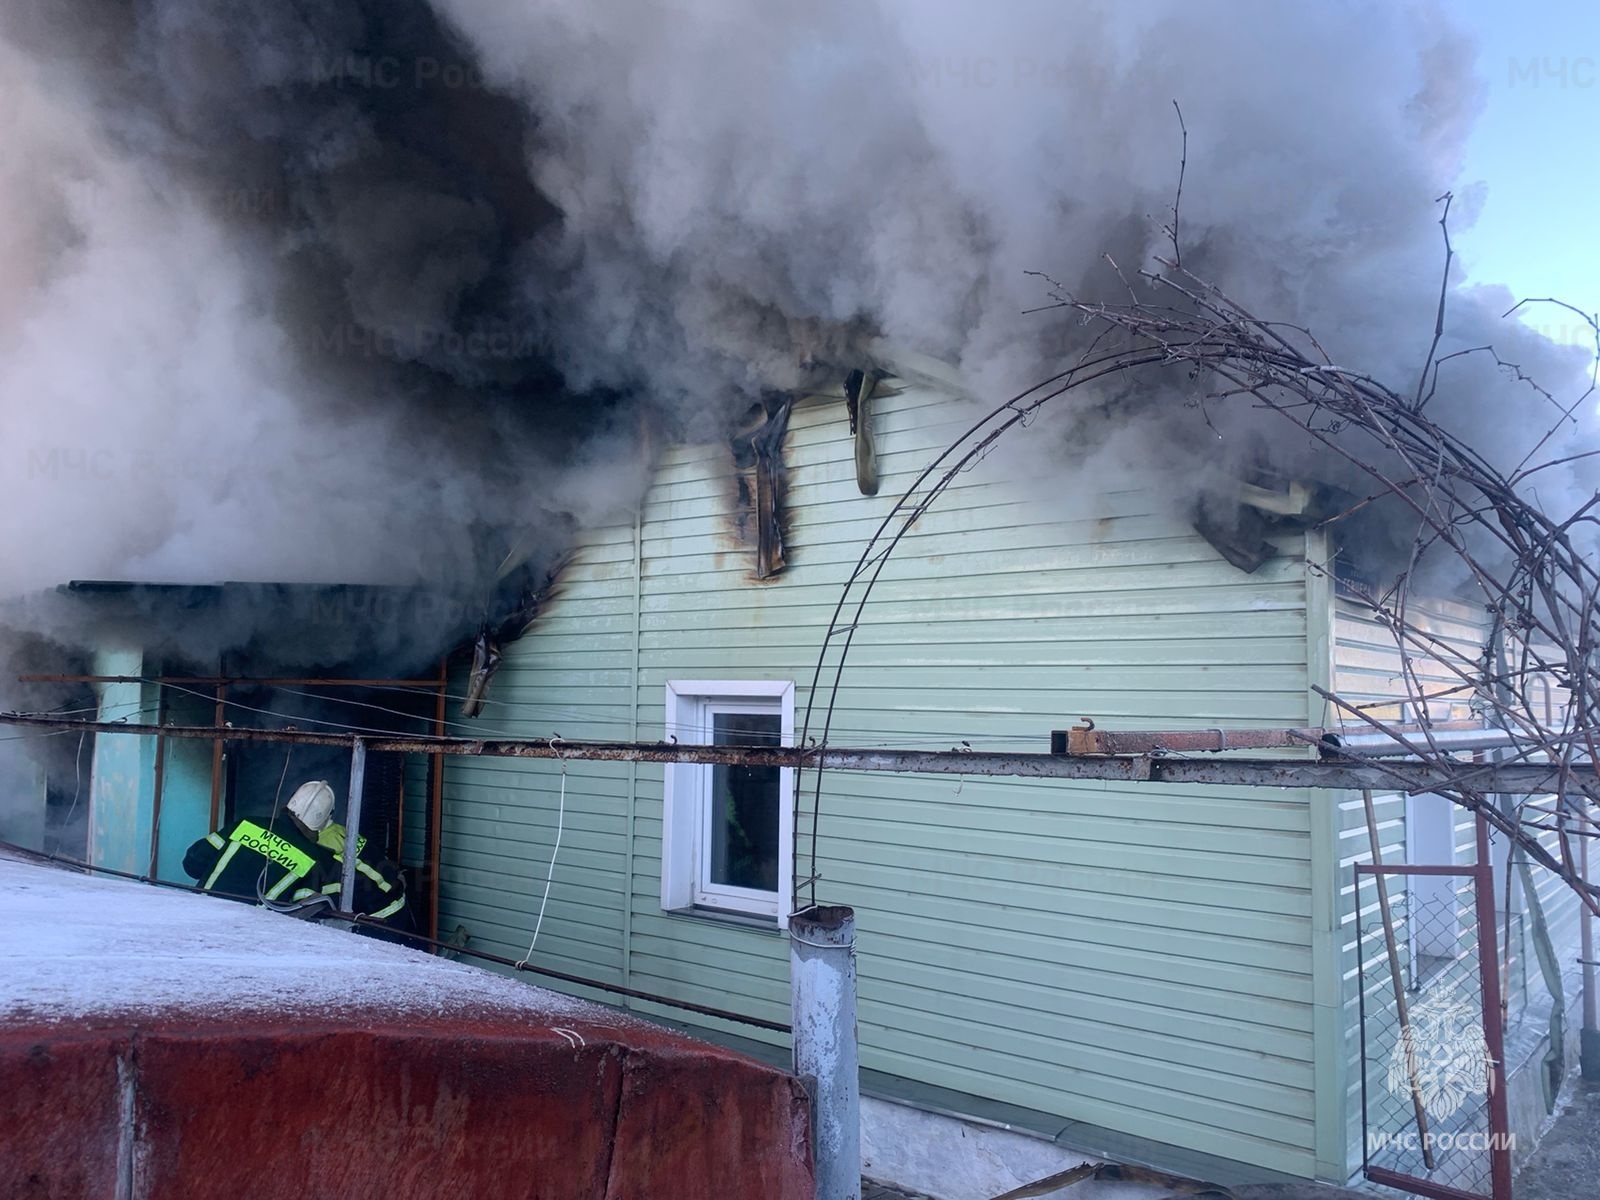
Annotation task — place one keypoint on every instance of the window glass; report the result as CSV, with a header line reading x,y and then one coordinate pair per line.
x,y
744,805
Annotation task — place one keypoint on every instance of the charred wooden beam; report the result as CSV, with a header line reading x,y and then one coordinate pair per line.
x,y
760,452
859,388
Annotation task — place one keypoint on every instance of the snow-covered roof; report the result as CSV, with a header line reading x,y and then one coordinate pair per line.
x,y
74,947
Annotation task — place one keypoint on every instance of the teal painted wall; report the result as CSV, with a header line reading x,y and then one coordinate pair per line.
x,y
186,785
122,776
1137,958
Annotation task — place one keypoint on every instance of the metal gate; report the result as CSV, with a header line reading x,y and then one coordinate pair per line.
x,y
1433,1102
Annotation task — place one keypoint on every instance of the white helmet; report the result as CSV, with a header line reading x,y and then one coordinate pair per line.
x,y
312,804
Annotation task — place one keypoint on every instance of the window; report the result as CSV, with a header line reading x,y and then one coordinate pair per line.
x,y
727,838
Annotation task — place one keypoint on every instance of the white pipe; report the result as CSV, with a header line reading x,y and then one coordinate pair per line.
x,y
822,976
1381,745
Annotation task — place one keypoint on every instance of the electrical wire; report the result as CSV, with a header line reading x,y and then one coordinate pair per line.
x,y
77,779
261,879
27,737
475,730
866,736
336,726
564,713
561,816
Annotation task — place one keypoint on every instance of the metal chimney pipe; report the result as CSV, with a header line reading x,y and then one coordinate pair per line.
x,y
822,977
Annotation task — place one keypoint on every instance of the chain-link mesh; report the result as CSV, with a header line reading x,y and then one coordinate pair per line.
x,y
1425,1060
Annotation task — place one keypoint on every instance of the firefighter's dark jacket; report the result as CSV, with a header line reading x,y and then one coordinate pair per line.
x,y
380,888
296,868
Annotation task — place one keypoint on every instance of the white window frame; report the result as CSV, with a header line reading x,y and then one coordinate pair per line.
x,y
686,799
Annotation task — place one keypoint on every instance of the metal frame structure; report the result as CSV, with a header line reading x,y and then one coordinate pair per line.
x,y
221,733
1481,873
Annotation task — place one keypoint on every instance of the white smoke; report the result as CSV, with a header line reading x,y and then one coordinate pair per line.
x,y
712,196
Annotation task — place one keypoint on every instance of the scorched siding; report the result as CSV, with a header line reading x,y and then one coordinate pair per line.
x,y
1121,956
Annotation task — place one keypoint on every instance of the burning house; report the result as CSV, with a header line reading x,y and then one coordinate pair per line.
x,y
1147,973
575,358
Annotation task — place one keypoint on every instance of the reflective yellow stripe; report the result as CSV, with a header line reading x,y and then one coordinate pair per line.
x,y
390,909
303,894
273,848
227,857
331,889
277,889
373,875
216,840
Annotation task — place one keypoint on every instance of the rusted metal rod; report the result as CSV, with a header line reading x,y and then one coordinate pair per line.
x,y
1337,773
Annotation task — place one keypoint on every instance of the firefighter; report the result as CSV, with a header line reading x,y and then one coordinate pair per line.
x,y
380,888
278,862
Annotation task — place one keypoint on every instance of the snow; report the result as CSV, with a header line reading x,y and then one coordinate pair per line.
x,y
74,946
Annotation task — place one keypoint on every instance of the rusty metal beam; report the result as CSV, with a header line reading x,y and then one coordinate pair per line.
x,y
1086,739
1336,772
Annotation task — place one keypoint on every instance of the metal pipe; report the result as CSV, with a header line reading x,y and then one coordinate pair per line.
x,y
1381,745
352,824
1335,773
822,981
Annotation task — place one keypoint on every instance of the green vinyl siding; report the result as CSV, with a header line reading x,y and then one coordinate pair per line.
x,y
414,801
1368,671
1138,958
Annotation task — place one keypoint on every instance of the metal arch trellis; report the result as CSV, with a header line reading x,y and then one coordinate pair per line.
x,y
1091,366
1544,606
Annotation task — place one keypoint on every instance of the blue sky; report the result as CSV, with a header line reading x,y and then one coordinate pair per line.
x,y
1534,147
